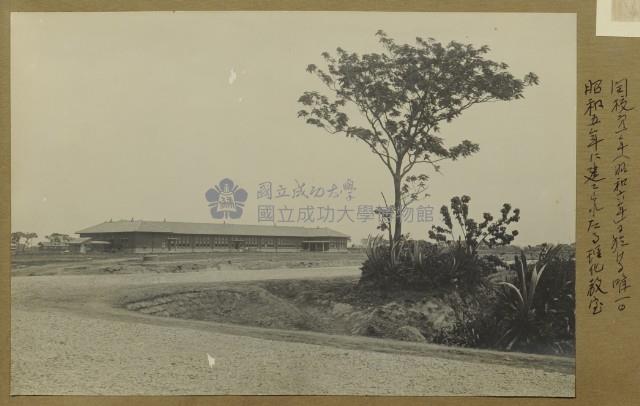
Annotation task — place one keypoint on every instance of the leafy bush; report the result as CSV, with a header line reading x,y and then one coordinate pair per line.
x,y
477,315
415,265
421,265
534,312
539,305
463,246
555,299
522,323
490,263
380,268
453,260
491,232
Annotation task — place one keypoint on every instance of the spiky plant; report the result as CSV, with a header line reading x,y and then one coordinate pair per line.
x,y
523,325
417,256
374,247
378,266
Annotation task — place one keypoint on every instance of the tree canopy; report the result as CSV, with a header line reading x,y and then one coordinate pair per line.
x,y
58,238
404,94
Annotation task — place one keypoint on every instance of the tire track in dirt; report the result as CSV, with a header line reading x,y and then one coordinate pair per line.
x,y
78,312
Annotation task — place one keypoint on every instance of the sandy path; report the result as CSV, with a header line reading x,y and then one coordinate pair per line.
x,y
66,339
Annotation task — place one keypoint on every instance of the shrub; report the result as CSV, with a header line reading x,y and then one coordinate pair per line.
x,y
539,306
430,265
522,323
414,265
490,263
555,300
535,314
381,268
477,316
421,265
474,233
463,245
533,311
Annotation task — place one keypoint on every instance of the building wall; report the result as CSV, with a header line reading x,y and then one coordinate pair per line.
x,y
180,243
53,247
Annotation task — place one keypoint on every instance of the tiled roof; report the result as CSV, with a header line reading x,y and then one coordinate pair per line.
x,y
141,226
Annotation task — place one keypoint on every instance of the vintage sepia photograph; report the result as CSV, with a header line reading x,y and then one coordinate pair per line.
x,y
618,18
625,10
293,203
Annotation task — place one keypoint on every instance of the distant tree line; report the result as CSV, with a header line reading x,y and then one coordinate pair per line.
x,y
22,240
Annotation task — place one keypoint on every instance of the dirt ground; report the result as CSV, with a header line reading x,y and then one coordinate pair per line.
x,y
70,337
334,306
78,264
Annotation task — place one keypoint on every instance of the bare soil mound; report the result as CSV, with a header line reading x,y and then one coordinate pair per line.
x,y
247,305
330,306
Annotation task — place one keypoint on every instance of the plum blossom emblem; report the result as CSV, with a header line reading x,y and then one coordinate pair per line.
x,y
226,200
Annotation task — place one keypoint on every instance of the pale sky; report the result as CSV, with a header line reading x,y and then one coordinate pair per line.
x,y
137,115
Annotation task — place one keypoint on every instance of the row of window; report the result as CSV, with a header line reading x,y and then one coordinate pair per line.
x,y
206,241
184,241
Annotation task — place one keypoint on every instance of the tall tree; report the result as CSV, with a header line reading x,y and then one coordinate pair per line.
x,y
403,95
28,237
16,237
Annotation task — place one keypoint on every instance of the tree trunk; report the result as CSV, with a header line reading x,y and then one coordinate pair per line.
x,y
397,206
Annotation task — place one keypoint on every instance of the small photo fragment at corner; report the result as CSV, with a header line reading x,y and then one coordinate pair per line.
x,y
618,18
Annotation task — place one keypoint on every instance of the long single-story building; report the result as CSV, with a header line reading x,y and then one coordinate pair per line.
x,y
167,236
